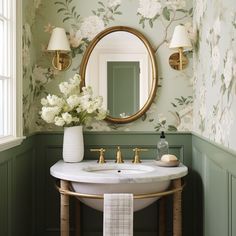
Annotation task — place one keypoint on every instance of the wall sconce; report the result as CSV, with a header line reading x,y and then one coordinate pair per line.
x,y
59,44
180,40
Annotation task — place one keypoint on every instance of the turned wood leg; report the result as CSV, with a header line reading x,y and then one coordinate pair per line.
x,y
65,228
177,209
162,217
78,226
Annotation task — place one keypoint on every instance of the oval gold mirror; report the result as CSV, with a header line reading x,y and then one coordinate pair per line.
x,y
120,65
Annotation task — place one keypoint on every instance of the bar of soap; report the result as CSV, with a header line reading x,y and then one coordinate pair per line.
x,y
168,158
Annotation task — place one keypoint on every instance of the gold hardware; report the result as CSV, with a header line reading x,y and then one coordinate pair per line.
x,y
172,190
61,61
101,159
178,60
119,158
136,159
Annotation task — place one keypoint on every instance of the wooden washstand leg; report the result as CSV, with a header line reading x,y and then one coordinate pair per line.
x,y
177,209
162,216
78,225
65,228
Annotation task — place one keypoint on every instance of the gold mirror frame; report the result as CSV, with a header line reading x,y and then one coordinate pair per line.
x,y
151,53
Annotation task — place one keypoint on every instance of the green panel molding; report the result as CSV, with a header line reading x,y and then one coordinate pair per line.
x,y
29,202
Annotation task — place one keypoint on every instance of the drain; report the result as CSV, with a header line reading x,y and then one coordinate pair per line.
x,y
119,171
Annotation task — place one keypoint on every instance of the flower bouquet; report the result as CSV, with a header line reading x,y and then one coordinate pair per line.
x,y
75,108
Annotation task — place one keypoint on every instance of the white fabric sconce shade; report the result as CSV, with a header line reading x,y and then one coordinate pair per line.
x,y
58,41
59,44
180,38
180,41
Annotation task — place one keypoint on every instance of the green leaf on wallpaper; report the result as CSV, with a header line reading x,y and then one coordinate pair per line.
x,y
155,17
72,9
174,105
172,128
118,13
144,117
151,120
66,18
182,10
101,3
116,7
101,10
190,12
166,13
61,9
157,128
60,3
94,12
141,21
150,23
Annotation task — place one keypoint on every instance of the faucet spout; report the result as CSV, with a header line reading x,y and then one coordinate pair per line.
x,y
119,158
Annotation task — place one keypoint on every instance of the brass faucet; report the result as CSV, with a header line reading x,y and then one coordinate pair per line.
x,y
136,158
119,158
101,159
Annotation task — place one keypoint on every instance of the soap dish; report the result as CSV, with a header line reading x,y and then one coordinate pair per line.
x,y
168,164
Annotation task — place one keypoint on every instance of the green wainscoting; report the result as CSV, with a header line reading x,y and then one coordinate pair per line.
x,y
17,190
215,188
49,148
29,203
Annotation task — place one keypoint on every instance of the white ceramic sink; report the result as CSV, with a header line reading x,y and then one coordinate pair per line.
x,y
93,178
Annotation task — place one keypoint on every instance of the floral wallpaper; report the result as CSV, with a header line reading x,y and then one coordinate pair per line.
x,y
173,106
215,71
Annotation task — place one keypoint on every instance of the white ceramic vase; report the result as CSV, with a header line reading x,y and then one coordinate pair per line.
x,y
73,144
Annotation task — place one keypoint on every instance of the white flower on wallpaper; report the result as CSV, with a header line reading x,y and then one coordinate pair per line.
x,y
186,118
217,27
26,42
39,74
113,3
48,28
176,4
215,58
229,69
189,28
91,26
37,3
149,8
200,8
75,38
219,124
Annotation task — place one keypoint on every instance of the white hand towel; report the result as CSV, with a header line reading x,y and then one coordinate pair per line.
x,y
118,215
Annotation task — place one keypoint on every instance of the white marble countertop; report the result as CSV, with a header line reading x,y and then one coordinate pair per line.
x,y
110,172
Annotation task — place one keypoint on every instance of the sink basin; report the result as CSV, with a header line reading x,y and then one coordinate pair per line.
x,y
92,178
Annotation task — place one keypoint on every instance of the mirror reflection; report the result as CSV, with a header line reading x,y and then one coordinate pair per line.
x,y
120,69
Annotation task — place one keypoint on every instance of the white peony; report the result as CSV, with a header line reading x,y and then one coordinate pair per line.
x,y
75,108
149,8
176,4
91,26
67,117
229,67
65,88
215,55
54,100
44,102
59,121
48,113
113,3
73,101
